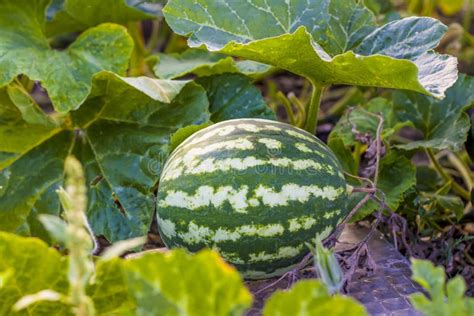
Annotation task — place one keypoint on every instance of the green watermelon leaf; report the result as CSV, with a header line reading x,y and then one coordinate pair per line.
x,y
309,297
397,175
443,122
33,267
125,122
363,120
77,15
326,41
203,63
445,298
233,96
177,283
66,75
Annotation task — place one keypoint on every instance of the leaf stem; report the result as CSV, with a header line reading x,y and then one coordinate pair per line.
x,y
313,109
454,185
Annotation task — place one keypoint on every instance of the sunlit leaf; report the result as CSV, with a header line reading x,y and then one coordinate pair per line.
x,y
177,283
444,299
318,39
67,74
203,63
311,298
35,267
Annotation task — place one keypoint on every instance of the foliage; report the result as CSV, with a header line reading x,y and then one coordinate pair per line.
x,y
79,77
311,298
444,298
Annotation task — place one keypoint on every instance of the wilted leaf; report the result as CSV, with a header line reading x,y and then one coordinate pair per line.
x,y
176,283
318,39
443,123
203,63
311,298
67,74
233,96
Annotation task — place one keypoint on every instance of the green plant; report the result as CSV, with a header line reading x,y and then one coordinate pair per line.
x,y
445,298
337,41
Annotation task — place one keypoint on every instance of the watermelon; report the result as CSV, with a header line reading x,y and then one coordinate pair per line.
x,y
254,190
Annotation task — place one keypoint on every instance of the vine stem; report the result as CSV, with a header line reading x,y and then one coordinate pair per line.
x,y
454,185
313,109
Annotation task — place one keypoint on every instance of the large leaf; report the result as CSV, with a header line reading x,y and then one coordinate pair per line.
x,y
326,41
29,177
311,298
443,123
130,142
66,75
125,130
76,15
17,136
233,96
180,284
33,267
203,63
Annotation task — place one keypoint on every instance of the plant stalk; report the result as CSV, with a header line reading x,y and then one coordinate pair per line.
x,y
454,185
313,109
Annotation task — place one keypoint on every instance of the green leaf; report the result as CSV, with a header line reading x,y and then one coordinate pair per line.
x,y
444,299
317,39
137,117
233,96
123,138
203,63
442,122
67,74
183,133
364,121
309,297
177,283
397,175
23,187
110,292
16,135
77,15
34,267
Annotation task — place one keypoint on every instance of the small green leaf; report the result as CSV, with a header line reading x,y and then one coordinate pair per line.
x,y
77,15
444,299
203,63
177,283
35,267
442,122
318,39
310,297
67,74
397,176
363,120
233,96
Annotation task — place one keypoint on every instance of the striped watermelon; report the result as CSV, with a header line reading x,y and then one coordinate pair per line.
x,y
255,190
